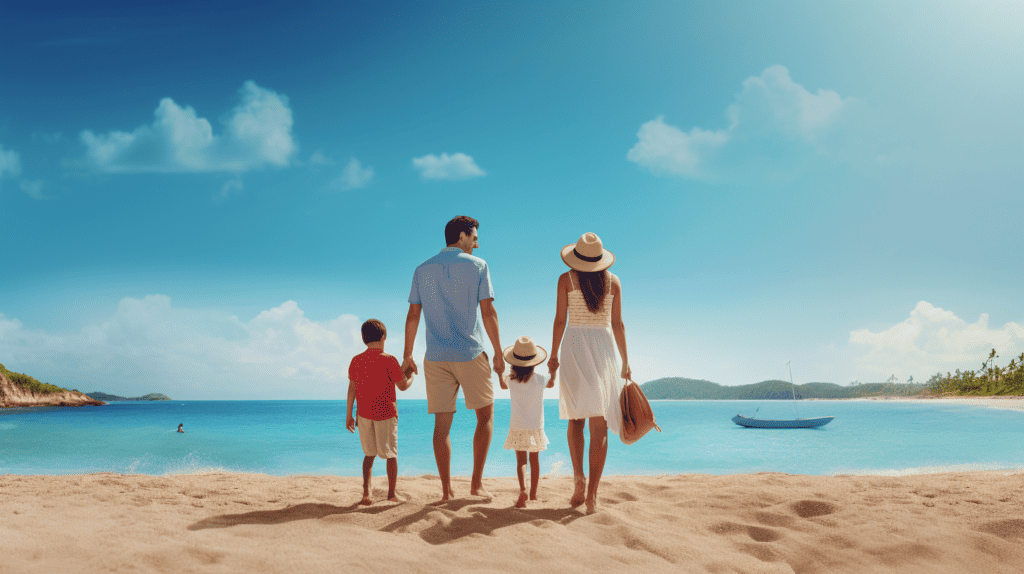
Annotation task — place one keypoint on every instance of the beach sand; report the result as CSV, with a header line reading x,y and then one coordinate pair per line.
x,y
768,522
1008,402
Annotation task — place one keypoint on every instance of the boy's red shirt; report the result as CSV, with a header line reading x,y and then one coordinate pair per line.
x,y
374,374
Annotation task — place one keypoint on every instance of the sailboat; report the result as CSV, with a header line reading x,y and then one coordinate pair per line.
x,y
783,423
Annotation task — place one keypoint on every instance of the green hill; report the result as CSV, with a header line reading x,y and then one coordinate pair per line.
x,y
675,388
30,383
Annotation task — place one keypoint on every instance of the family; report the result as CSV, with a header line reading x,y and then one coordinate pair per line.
x,y
446,292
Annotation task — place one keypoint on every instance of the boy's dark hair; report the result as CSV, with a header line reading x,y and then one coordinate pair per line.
x,y
521,374
373,331
459,224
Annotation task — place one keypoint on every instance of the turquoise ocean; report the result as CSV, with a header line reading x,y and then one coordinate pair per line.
x,y
287,438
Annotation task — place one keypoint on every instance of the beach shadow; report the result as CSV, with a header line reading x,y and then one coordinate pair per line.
x,y
482,521
298,512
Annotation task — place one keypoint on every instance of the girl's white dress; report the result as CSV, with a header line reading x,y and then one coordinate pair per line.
x,y
588,362
526,426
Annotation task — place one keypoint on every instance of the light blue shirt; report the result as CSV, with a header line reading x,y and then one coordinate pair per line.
x,y
450,286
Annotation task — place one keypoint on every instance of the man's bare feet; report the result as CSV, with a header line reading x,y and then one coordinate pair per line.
x,y
521,503
533,496
366,500
580,494
396,498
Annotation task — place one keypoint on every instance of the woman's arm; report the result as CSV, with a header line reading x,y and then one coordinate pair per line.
x,y
561,309
618,328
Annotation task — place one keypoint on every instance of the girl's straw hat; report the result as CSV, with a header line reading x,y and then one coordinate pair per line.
x,y
525,353
588,254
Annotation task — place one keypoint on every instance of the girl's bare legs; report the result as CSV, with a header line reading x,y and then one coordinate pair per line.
x,y
598,453
520,471
576,444
534,474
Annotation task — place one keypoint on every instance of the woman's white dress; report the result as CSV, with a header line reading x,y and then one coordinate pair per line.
x,y
589,363
526,425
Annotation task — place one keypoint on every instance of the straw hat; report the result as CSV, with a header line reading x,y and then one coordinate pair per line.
x,y
525,353
588,254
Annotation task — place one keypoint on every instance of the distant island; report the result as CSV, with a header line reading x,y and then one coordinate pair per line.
x,y
675,388
105,397
20,390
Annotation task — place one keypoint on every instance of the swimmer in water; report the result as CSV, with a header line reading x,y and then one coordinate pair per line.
x,y
179,427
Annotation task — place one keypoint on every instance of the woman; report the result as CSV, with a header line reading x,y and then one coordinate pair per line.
x,y
587,318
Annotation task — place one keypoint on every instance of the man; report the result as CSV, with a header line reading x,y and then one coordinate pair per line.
x,y
448,288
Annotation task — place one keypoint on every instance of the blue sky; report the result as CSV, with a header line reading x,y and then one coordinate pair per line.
x,y
207,199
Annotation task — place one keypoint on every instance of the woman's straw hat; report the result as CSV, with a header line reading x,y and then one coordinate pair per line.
x,y
525,353
588,254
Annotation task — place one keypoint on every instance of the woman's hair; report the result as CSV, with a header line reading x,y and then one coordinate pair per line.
x,y
521,374
593,286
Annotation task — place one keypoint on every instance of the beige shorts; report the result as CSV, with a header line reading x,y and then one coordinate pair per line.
x,y
443,379
379,438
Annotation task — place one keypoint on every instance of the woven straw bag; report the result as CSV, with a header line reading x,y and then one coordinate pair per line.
x,y
637,416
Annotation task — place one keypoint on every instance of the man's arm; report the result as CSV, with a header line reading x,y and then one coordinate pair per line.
x,y
490,317
412,324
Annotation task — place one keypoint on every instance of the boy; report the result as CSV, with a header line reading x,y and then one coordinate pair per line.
x,y
373,376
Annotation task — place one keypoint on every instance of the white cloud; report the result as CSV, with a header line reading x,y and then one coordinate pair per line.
x,y
354,176
318,158
667,149
34,189
149,345
774,121
934,340
229,188
10,163
256,133
451,167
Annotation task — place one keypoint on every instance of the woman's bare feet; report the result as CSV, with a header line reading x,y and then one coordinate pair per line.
x,y
521,503
481,492
591,505
366,500
447,495
396,498
580,494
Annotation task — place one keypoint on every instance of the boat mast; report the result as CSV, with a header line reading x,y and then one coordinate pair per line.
x,y
791,385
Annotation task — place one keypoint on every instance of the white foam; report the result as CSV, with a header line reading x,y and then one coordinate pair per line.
x,y
943,469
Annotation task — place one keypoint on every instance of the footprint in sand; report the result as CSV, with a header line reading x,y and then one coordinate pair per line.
x,y
812,508
756,533
1010,528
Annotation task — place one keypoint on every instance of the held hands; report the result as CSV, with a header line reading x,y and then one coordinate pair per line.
x,y
553,365
499,364
350,423
409,367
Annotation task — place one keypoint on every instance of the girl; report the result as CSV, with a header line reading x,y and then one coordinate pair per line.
x,y
526,426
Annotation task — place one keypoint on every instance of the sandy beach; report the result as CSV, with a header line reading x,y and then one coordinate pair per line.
x,y
769,522
1014,403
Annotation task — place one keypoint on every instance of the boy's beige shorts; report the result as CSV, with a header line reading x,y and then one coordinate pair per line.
x,y
379,438
443,379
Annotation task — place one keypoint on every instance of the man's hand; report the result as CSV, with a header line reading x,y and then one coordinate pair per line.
x,y
350,423
409,366
499,364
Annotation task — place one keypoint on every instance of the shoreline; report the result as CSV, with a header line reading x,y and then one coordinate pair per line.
x,y
765,522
